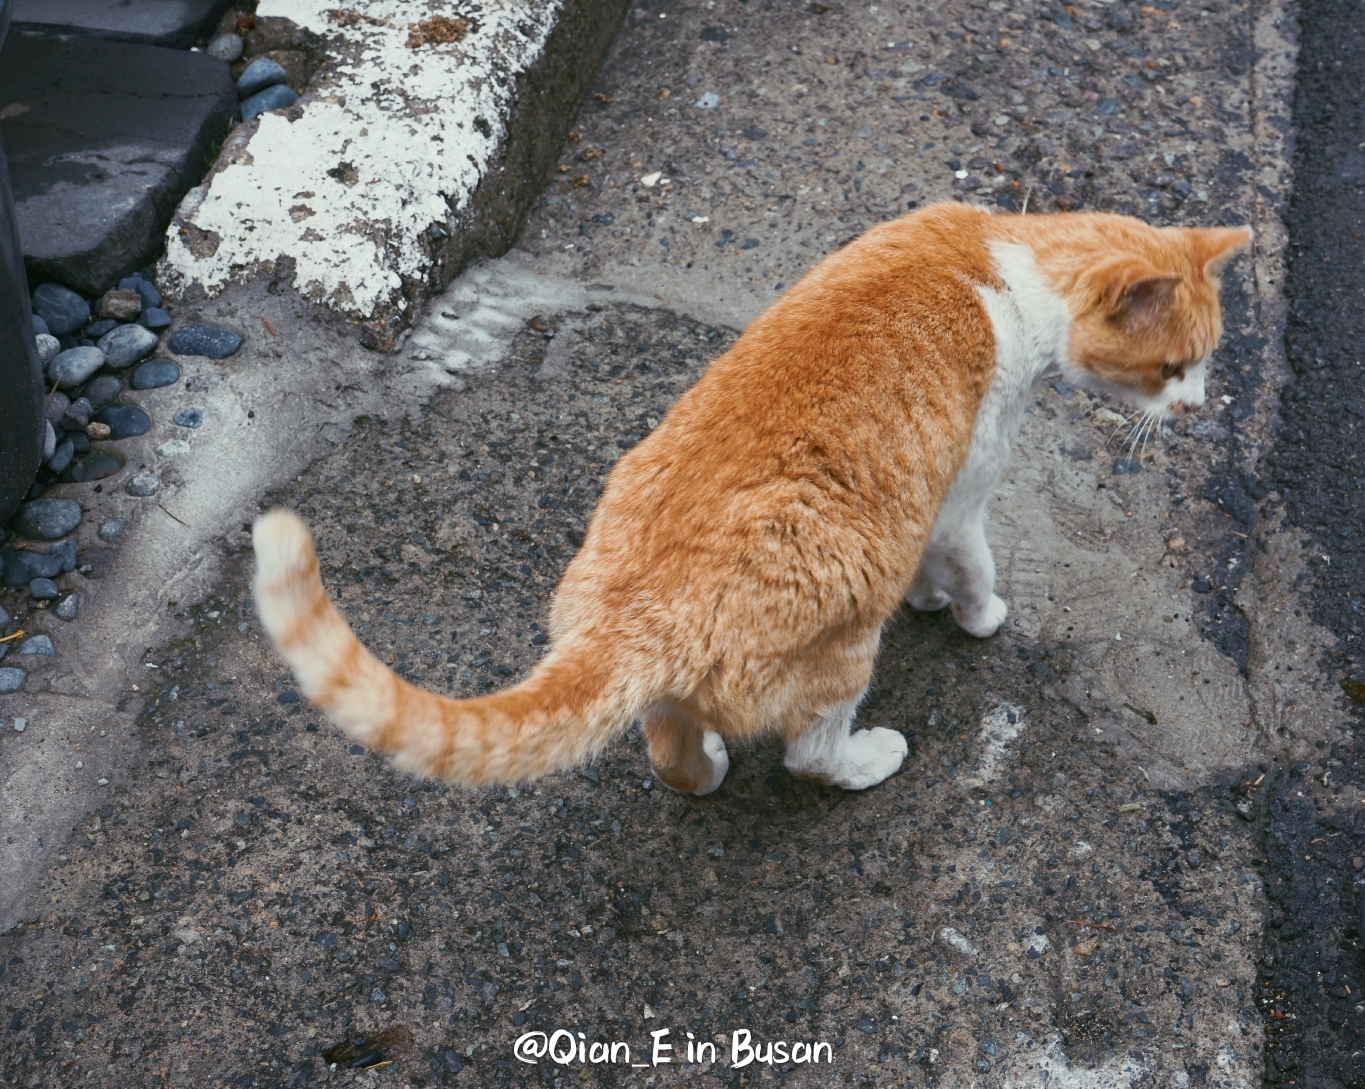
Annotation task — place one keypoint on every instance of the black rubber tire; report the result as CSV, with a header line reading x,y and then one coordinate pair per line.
x,y
21,375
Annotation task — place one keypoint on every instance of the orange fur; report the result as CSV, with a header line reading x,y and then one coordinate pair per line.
x,y
744,557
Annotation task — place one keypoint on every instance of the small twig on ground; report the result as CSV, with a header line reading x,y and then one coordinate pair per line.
x,y
269,328
168,514
10,638
1092,926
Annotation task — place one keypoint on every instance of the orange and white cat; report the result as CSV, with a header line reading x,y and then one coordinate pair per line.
x,y
738,571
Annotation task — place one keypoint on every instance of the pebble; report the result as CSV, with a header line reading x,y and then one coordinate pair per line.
x,y
20,724
74,366
21,568
955,940
55,409
121,305
64,552
11,680
226,47
126,345
48,347
68,608
5,618
155,373
155,318
125,421
37,644
208,340
63,456
95,467
272,98
104,390
113,530
173,448
143,485
97,329
144,287
259,74
40,327
96,431
76,416
62,309
49,440
189,417
47,519
43,590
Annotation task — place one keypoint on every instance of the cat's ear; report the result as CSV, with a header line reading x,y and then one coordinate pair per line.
x,y
1216,246
1141,296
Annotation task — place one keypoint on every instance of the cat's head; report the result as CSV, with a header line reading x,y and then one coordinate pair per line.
x,y
1146,315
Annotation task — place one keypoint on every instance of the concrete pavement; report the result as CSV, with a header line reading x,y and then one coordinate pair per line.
x,y
1059,888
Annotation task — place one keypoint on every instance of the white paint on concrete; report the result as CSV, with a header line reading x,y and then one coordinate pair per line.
x,y
1000,726
390,141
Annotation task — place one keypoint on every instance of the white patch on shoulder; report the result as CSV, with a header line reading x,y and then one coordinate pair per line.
x,y
1032,327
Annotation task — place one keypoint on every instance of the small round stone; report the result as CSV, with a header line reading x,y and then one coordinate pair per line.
x,y
155,318
48,348
121,305
43,590
278,97
95,467
189,417
126,345
143,485
144,287
49,440
207,340
258,75
47,519
75,365
155,373
112,531
103,390
173,448
62,457
62,309
68,607
97,329
40,327
55,409
97,431
226,47
38,644
125,421
11,680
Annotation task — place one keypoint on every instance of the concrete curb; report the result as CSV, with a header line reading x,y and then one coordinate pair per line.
x,y
373,223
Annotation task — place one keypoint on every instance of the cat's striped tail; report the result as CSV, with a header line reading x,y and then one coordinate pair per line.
x,y
575,701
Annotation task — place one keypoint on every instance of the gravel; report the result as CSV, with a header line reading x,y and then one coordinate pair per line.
x,y
143,485
124,421
61,308
73,366
21,568
207,340
127,344
226,47
189,417
37,645
155,373
11,680
112,530
48,347
69,607
121,304
43,590
103,390
278,97
258,75
155,318
47,519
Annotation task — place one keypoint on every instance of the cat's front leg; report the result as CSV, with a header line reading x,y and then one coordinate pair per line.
x,y
959,565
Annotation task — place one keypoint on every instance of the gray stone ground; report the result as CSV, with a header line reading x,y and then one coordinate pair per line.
x,y
1059,888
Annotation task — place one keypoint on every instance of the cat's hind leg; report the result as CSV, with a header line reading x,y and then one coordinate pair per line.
x,y
833,753
686,755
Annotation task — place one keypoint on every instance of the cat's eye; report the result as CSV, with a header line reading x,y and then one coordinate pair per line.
x,y
1172,370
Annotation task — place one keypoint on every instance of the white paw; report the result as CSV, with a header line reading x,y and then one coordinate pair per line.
x,y
986,623
927,601
714,746
868,757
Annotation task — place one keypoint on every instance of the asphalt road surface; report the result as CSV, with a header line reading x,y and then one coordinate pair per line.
x,y
1103,807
